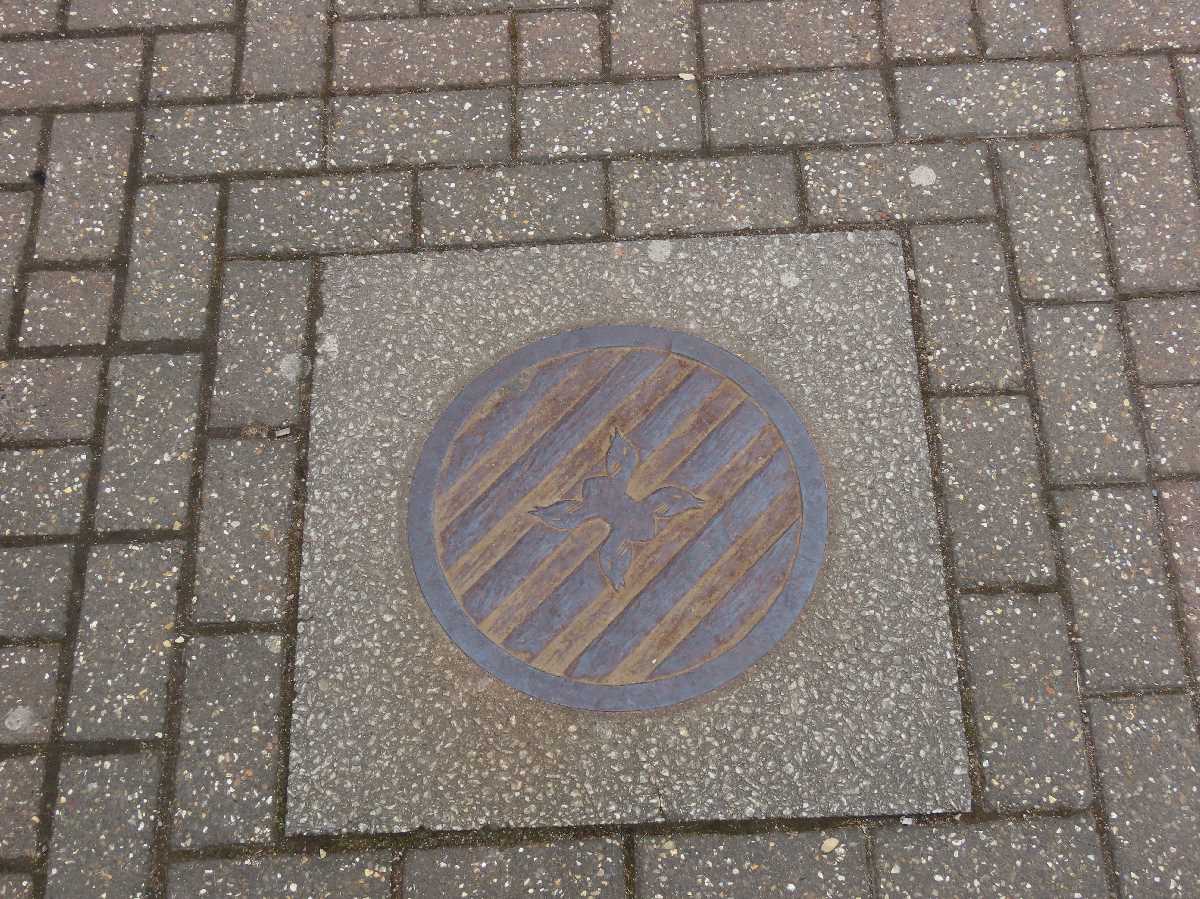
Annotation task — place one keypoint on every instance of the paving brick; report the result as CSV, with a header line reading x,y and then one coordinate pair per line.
x,y
225,775
906,182
477,6
806,108
27,688
241,569
333,875
19,137
610,118
436,127
261,337
1188,68
1026,708
171,262
20,805
421,53
929,28
34,583
590,868
70,72
67,308
1164,334
541,202
148,442
321,214
1035,857
191,66
139,13
1130,92
285,46
1181,511
85,186
558,46
1173,425
1151,207
42,491
204,140
48,399
652,37
1149,760
784,33
817,863
119,684
1118,583
14,219
1135,24
998,526
1087,418
18,16
103,826
1024,28
651,197
965,308
377,7
16,886
987,98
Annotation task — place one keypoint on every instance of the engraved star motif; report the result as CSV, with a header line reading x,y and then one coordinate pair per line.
x,y
607,497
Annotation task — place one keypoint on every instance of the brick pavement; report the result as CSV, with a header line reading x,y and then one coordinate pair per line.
x,y
172,174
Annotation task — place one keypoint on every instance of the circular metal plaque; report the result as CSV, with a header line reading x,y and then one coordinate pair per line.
x,y
617,518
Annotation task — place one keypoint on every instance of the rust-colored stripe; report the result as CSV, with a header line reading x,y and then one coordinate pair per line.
x,y
569,644
491,547
682,442
674,627
550,410
559,565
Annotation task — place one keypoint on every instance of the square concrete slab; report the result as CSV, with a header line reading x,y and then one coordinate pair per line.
x,y
673,544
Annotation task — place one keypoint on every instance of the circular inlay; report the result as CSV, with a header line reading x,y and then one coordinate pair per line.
x,y
617,518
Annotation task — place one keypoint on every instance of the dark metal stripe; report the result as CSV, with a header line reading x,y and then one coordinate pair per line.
x,y
729,439
660,424
516,565
558,610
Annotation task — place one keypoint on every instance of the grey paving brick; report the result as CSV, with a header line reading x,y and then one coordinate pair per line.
x,y
27,688
652,37
148,442
261,336
1087,416
119,684
85,185
42,491
929,28
1149,760
189,66
1151,207
520,203
435,127
20,805
103,826
610,118
321,214
558,46
225,774
1135,24
377,7
1181,511
1164,334
1118,584
807,108
817,863
431,52
64,73
1042,857
590,868
16,886
998,526
241,568
333,875
19,16
906,182
477,6
651,197
965,307
136,13
783,33
202,140
14,219
171,262
1022,686
987,98
1188,68
18,147
1024,27
1130,92
34,583
1173,425
48,399
285,46
67,308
